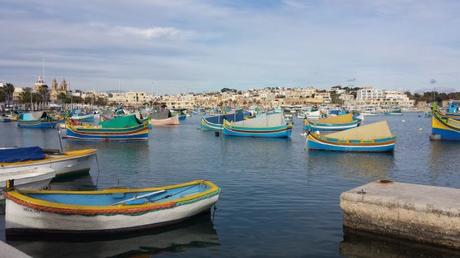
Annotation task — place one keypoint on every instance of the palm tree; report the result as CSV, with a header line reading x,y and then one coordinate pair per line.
x,y
8,89
25,97
44,92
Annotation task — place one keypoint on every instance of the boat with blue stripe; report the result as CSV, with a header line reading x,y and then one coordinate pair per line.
x,y
265,126
38,119
119,128
375,137
444,128
215,122
332,123
103,211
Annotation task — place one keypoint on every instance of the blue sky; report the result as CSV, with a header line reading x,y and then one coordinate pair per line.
x,y
200,45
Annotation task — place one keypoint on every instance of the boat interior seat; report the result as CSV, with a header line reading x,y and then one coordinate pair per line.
x,y
137,201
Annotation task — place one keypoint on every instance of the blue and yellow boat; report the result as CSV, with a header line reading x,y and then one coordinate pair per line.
x,y
38,119
119,128
375,137
106,211
266,126
216,122
332,123
444,128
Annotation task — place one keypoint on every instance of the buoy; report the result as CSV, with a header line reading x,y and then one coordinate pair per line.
x,y
403,121
216,134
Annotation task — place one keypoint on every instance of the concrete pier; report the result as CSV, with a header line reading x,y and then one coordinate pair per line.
x,y
7,251
426,214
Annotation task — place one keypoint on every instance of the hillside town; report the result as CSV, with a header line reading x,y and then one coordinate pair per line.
x,y
363,98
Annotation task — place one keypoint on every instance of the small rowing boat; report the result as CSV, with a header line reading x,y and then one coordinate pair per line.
x,y
265,125
375,137
63,163
102,211
332,123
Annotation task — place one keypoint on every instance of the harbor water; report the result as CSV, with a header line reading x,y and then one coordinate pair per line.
x,y
278,199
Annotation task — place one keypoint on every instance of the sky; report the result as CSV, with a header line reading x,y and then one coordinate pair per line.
x,y
170,46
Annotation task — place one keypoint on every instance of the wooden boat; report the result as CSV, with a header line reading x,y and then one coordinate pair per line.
x,y
163,117
119,128
215,122
8,118
333,123
165,121
268,126
444,127
38,119
83,118
63,163
102,211
34,179
375,137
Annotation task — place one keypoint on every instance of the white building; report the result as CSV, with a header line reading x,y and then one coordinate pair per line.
x,y
369,94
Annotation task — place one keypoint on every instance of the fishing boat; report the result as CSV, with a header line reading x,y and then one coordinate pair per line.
x,y
103,211
443,126
375,137
119,128
393,112
37,119
83,118
8,118
163,117
333,123
63,163
453,109
265,125
215,122
34,179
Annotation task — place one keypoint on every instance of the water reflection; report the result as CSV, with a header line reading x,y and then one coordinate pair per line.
x,y
197,232
443,155
362,244
80,182
365,165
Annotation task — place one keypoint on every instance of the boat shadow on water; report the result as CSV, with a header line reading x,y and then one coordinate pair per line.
x,y
196,232
368,245
354,164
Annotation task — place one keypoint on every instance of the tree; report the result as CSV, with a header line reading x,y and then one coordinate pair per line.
x,y
2,95
44,94
8,90
62,97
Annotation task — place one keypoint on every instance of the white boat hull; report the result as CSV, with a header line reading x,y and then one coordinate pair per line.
x,y
61,167
22,218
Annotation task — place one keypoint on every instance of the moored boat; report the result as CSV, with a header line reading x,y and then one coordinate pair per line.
x,y
34,179
215,122
375,137
443,126
37,119
102,211
119,128
266,125
333,123
63,163
163,117
8,118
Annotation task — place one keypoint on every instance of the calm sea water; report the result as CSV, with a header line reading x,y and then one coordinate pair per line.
x,y
278,199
